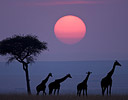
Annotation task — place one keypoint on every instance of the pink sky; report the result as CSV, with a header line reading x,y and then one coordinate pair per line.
x,y
106,22
70,2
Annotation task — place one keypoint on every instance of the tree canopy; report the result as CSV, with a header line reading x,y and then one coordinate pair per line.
x,y
22,47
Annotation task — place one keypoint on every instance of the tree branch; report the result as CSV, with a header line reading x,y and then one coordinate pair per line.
x,y
26,56
24,67
18,59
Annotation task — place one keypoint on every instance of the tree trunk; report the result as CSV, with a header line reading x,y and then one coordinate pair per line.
x,y
27,78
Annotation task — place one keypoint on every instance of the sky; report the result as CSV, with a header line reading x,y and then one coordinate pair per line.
x,y
106,27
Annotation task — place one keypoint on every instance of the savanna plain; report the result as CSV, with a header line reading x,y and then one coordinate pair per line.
x,y
61,97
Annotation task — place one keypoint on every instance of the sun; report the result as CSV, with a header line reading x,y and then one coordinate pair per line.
x,y
70,29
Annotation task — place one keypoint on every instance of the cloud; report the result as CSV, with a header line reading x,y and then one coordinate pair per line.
x,y
54,3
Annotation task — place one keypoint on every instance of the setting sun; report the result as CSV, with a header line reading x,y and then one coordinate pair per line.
x,y
70,29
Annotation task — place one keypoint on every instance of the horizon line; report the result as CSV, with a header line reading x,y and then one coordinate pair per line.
x,y
69,60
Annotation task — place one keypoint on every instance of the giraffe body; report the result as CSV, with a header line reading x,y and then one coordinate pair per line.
x,y
56,84
42,85
106,82
83,85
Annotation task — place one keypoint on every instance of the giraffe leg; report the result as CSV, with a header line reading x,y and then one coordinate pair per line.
x,y
83,92
86,92
107,90
110,90
103,90
37,93
58,92
80,92
44,93
50,91
54,91
77,92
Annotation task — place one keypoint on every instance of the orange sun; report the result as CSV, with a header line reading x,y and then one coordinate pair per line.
x,y
70,29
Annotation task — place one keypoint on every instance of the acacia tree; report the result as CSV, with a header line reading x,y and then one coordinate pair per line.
x,y
24,49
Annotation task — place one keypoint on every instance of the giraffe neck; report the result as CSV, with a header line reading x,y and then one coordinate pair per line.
x,y
46,79
112,71
62,79
86,79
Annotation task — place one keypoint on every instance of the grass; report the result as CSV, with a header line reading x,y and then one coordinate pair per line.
x,y
61,97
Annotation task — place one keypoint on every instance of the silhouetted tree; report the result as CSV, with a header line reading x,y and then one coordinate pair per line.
x,y
23,49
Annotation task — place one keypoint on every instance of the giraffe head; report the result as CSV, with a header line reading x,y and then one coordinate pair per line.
x,y
88,73
50,74
117,63
68,75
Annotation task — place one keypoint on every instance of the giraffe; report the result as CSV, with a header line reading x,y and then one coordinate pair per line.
x,y
56,84
42,86
107,81
83,85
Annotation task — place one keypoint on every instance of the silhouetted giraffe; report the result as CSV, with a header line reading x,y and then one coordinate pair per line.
x,y
83,85
42,85
107,81
56,84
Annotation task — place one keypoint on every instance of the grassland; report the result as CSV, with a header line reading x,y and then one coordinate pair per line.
x,y
61,97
